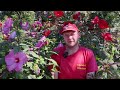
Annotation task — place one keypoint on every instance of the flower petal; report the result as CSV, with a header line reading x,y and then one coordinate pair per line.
x,y
58,13
6,30
11,67
8,23
39,44
25,25
13,35
10,59
19,67
43,39
46,33
23,58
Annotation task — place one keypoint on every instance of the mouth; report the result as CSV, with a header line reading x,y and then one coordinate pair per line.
x,y
70,41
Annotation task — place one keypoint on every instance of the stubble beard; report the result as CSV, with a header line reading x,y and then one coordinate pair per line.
x,y
71,46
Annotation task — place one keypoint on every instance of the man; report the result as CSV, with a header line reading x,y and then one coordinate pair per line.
x,y
74,60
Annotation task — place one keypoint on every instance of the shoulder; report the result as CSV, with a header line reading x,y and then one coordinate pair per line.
x,y
59,50
87,53
86,50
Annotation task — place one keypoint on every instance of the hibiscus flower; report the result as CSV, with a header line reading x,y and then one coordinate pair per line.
x,y
25,25
76,16
58,13
47,33
107,36
15,61
41,42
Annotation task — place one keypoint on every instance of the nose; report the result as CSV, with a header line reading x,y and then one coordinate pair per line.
x,y
69,37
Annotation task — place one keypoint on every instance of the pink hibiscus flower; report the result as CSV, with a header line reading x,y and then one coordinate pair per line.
x,y
12,35
8,23
5,30
33,34
25,25
37,23
41,42
15,61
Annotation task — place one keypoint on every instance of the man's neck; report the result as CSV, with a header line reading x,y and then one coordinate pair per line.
x,y
72,50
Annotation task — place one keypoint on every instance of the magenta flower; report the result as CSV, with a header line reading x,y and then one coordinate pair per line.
x,y
12,35
6,30
15,61
56,49
31,49
33,34
25,25
41,42
95,20
7,26
8,23
37,23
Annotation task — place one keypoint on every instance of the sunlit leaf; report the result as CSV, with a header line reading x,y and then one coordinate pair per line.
x,y
34,54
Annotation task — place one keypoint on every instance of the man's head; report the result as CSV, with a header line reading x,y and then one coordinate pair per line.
x,y
70,34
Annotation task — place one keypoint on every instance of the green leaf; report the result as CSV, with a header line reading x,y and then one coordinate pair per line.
x,y
16,49
52,52
31,77
24,46
104,75
114,67
2,61
34,54
29,64
46,48
53,61
0,70
113,49
42,61
40,77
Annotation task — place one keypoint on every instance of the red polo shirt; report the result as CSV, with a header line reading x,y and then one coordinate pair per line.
x,y
77,65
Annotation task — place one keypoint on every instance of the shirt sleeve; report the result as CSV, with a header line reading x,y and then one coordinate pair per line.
x,y
92,64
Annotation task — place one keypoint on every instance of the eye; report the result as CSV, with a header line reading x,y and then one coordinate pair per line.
x,y
66,35
72,34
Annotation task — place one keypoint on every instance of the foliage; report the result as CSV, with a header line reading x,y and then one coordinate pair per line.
x,y
107,53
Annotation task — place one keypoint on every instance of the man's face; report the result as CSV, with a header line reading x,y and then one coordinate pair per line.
x,y
71,38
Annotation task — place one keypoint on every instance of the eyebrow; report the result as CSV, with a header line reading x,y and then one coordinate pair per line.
x,y
70,32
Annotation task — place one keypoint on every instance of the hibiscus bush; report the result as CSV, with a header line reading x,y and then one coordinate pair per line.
x,y
28,38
